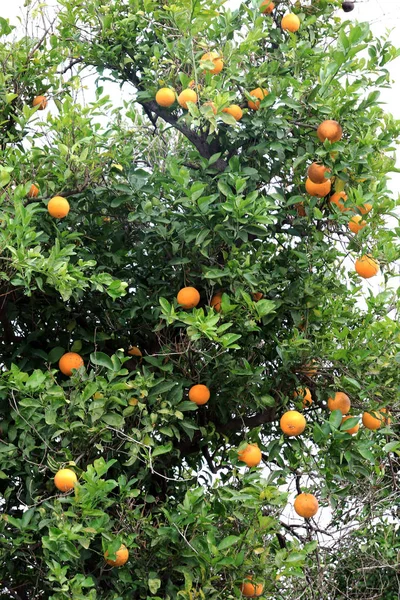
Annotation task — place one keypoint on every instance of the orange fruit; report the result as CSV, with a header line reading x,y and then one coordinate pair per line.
x,y
318,189
58,207
340,402
339,198
187,96
188,297
306,505
301,211
356,223
212,105
106,219
290,22
65,479
40,101
121,557
366,266
259,93
199,394
292,423
69,361
192,84
216,301
251,590
251,455
257,296
269,7
165,97
133,401
375,419
33,191
234,110
305,395
354,429
309,368
329,130
365,208
317,172
216,59
134,351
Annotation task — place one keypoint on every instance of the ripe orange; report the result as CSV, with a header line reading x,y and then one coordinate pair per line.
x,y
339,198
305,396
134,351
40,101
257,296
290,22
192,84
69,361
121,557
356,223
375,419
188,297
187,96
306,505
165,97
33,191
216,301
310,368
212,105
318,189
251,455
251,590
365,208
292,423
366,266
269,7
340,402
329,130
354,429
216,59
65,479
259,93
317,172
199,394
58,207
234,110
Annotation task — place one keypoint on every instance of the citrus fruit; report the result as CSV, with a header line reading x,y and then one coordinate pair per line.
x,y
188,297
234,110
251,455
292,423
374,419
65,479
259,94
366,266
354,429
58,207
257,296
290,22
269,7
165,97
216,302
319,190
303,394
199,394
33,191
365,208
306,505
40,101
121,557
339,402
329,130
356,223
69,361
251,590
134,351
317,173
339,198
216,59
187,96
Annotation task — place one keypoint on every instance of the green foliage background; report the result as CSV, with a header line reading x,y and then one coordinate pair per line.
x,y
161,199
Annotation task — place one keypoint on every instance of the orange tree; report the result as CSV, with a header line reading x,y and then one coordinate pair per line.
x,y
182,424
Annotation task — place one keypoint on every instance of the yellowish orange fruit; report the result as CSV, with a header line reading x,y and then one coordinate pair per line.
x,y
133,401
316,173
234,110
319,190
339,198
58,207
186,96
134,351
356,223
251,455
365,208
366,266
305,395
259,94
40,101
121,557
292,423
33,191
188,297
165,97
306,505
65,479
251,590
216,59
216,301
290,22
269,7
199,394
330,130
341,402
354,429
69,361
375,419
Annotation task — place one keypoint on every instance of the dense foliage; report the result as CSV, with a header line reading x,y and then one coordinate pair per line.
x,y
163,198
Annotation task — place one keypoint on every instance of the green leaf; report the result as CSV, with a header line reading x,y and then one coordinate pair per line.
x,y
335,418
101,360
55,354
227,542
158,450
